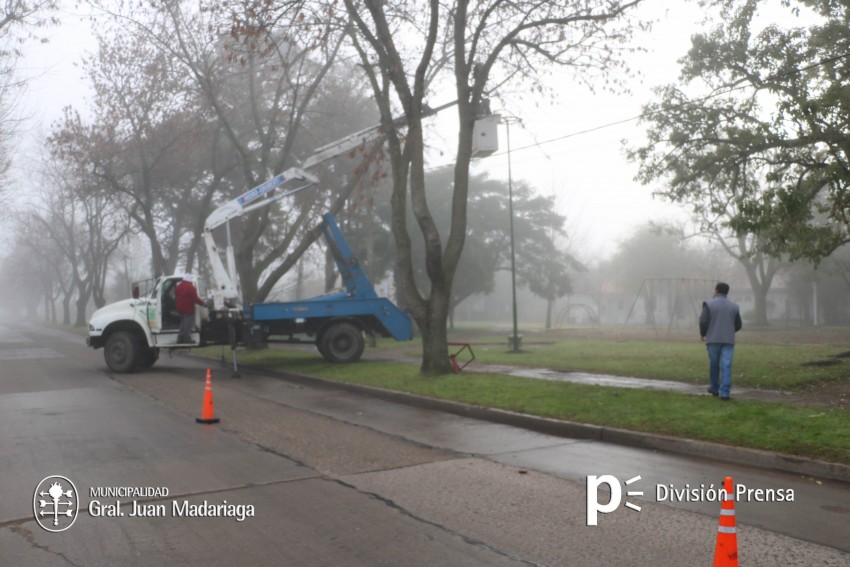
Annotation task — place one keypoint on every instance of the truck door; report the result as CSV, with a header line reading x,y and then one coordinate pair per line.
x,y
169,317
163,318
162,307
154,308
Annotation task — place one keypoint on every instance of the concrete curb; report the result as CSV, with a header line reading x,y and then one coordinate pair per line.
x,y
561,428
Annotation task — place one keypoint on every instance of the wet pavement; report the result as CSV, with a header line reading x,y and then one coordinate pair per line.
x,y
626,382
609,380
338,478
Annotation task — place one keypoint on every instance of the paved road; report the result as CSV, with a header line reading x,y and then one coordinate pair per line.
x,y
339,479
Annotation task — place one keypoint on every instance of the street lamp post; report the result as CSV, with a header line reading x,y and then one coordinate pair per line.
x,y
515,340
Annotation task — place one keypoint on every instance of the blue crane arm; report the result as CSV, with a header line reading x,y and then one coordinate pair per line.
x,y
353,276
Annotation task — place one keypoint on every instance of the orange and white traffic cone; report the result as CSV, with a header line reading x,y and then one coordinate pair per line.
x,y
208,412
726,550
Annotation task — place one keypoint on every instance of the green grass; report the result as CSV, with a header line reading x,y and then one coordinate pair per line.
x,y
766,366
809,432
773,359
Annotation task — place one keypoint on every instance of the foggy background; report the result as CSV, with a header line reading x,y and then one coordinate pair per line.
x,y
623,256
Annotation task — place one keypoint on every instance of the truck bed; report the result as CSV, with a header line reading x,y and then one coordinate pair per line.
x,y
376,314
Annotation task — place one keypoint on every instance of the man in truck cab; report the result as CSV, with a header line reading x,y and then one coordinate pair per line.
x,y
187,298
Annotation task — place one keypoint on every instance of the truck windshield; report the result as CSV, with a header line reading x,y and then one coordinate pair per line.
x,y
146,288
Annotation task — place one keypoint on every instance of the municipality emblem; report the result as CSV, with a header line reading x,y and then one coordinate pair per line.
x,y
54,503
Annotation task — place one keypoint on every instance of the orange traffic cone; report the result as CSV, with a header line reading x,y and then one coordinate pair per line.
x,y
726,551
208,413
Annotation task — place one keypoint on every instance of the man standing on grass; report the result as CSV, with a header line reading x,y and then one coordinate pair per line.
x,y
719,321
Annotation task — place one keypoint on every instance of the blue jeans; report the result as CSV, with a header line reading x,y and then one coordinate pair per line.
x,y
720,367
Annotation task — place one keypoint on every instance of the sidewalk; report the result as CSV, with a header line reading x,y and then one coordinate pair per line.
x,y
497,483
595,379
626,382
583,431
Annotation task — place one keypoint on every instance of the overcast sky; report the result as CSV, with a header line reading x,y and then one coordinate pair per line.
x,y
587,172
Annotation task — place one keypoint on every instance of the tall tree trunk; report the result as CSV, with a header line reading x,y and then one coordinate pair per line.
x,y
66,309
760,272
47,295
84,293
246,274
431,314
759,287
80,320
435,347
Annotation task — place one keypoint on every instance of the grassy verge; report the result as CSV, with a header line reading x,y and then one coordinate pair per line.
x,y
761,360
815,433
756,365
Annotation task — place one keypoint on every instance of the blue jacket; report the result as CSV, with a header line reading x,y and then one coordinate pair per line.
x,y
720,320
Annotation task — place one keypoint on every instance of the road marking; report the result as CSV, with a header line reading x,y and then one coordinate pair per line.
x,y
28,353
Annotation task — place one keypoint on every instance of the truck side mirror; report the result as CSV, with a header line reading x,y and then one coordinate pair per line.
x,y
135,291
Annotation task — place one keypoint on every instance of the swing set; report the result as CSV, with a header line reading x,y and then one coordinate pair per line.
x,y
679,300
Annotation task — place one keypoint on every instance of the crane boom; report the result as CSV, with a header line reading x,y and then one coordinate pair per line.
x,y
226,287
247,201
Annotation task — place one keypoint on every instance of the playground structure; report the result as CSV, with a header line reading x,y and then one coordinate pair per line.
x,y
671,302
572,311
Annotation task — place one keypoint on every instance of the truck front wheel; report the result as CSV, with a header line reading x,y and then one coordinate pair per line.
x,y
148,358
342,342
121,351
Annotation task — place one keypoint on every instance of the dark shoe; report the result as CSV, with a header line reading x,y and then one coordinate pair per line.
x,y
713,393
725,398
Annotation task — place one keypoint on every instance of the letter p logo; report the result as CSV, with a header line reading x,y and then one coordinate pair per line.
x,y
593,506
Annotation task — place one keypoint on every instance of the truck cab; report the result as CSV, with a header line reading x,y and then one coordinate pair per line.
x,y
133,331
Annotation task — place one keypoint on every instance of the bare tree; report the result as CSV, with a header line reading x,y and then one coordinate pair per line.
x,y
19,20
148,143
479,48
257,84
86,228
36,271
22,278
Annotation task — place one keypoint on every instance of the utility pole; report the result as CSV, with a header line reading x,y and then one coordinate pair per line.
x,y
515,339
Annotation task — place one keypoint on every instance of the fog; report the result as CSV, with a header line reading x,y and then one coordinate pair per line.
x,y
569,148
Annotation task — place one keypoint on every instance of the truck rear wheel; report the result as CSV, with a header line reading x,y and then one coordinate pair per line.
x,y
342,342
320,345
121,351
